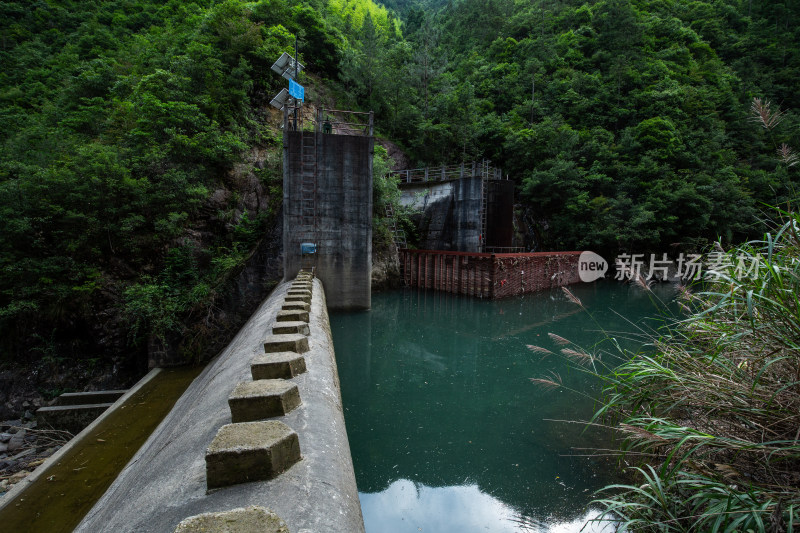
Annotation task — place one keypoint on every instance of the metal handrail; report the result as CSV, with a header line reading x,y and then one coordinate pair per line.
x,y
330,126
337,127
482,169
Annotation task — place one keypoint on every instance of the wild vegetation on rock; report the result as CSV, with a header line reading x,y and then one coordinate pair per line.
x,y
140,168
624,123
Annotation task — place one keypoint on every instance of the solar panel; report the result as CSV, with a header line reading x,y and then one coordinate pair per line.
x,y
285,66
280,99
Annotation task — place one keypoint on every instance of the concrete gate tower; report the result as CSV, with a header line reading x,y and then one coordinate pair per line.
x,y
327,201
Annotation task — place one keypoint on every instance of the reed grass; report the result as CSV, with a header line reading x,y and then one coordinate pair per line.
x,y
715,406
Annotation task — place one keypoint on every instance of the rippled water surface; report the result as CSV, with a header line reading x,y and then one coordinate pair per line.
x,y
447,431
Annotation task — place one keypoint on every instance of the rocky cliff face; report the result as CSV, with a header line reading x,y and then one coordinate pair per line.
x,y
385,268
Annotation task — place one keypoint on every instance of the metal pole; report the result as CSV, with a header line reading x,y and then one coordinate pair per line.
x,y
296,73
533,95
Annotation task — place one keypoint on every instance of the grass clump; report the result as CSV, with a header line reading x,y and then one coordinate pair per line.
x,y
713,412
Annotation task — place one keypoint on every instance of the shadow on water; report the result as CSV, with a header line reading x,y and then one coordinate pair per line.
x,y
447,431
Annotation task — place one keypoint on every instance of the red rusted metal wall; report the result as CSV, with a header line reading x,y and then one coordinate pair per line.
x,y
488,275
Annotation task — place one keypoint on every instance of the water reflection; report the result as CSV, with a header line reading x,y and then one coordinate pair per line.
x,y
437,393
406,507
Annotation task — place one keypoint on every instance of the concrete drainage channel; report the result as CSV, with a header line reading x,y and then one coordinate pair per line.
x,y
73,411
56,496
257,442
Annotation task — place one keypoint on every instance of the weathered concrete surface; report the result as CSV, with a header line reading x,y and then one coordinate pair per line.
x,y
283,328
72,418
83,398
166,482
451,213
292,342
299,292
343,214
250,451
264,398
296,306
304,298
251,519
284,365
292,316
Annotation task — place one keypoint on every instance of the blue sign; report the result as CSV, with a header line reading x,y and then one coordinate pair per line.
x,y
296,90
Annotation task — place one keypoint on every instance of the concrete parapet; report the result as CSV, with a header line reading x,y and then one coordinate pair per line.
x,y
284,365
72,418
84,398
292,316
253,519
264,398
250,451
290,327
294,342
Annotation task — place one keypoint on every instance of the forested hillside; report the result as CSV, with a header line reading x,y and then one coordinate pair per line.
x,y
139,167
626,123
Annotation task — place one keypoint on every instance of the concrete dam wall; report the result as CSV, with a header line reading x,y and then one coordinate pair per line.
x,y
168,480
451,213
338,215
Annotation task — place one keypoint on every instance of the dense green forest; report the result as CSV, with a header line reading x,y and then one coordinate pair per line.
x,y
625,123
140,160
127,126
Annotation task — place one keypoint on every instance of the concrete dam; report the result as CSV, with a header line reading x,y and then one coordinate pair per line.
x,y
258,440
168,480
214,460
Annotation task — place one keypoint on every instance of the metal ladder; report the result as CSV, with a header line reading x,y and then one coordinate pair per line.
x,y
484,201
398,235
308,194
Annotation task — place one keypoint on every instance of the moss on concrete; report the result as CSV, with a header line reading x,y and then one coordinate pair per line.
x,y
278,365
293,342
252,519
292,316
265,398
283,328
250,451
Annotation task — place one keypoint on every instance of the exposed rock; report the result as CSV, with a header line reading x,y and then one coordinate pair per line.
x,y
385,269
19,476
219,198
16,441
401,160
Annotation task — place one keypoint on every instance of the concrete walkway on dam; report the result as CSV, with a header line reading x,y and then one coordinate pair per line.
x,y
165,482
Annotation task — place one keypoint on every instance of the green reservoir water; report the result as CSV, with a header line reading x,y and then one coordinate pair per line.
x,y
448,433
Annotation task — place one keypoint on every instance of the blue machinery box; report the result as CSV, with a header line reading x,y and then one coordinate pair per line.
x,y
308,248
